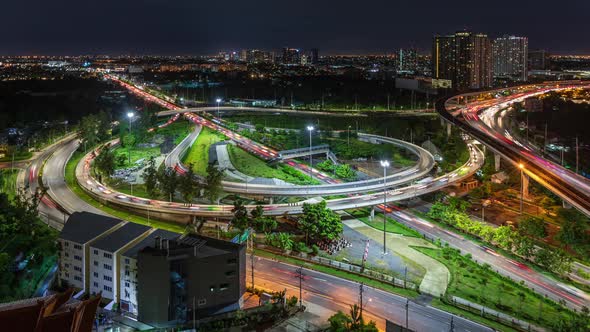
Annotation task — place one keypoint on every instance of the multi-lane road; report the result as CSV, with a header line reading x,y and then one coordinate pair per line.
x,y
477,118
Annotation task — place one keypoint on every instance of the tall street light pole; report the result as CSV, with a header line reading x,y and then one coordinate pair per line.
x,y
130,116
218,100
348,137
384,164
521,166
310,129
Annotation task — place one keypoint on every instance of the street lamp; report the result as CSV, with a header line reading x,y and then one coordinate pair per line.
x,y
384,164
310,128
348,137
218,100
521,166
130,116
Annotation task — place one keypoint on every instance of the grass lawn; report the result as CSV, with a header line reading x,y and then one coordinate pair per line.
x,y
75,187
198,154
179,130
8,181
136,154
392,226
475,283
255,167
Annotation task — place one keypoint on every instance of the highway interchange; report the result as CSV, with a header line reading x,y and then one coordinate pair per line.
x,y
62,201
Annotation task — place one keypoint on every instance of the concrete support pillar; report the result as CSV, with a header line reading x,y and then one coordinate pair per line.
x,y
525,185
270,200
442,121
448,130
372,213
496,162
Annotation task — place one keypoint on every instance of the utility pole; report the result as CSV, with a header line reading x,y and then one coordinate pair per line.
x,y
527,127
361,290
300,275
545,140
577,155
388,101
252,266
407,307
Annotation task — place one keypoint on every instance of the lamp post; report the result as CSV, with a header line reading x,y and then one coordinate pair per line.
x,y
130,116
218,100
348,137
521,166
310,129
384,164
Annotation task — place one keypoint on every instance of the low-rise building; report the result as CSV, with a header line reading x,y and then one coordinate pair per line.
x,y
105,257
192,276
81,229
128,268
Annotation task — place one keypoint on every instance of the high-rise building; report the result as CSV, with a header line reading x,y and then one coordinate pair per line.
x,y
464,58
538,60
509,54
407,60
291,56
256,56
315,56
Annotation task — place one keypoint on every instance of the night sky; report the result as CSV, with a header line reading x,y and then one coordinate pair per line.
x,y
336,27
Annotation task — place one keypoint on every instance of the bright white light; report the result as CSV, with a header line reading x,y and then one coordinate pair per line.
x,y
384,163
310,128
218,100
130,115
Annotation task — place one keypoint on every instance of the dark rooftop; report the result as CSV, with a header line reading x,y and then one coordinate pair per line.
x,y
121,237
82,227
149,241
206,246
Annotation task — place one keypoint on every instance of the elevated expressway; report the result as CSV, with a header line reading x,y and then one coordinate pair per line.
x,y
182,212
476,114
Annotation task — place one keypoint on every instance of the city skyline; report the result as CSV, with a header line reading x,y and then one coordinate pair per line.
x,y
188,28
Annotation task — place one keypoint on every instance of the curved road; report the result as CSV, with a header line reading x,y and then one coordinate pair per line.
x,y
477,118
422,168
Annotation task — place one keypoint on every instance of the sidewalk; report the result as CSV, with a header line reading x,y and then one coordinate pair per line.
x,y
437,275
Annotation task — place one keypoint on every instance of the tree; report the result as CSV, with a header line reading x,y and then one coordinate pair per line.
x,y
532,227
341,322
213,186
504,237
150,178
320,222
240,219
88,132
105,161
573,228
188,186
168,182
344,171
257,212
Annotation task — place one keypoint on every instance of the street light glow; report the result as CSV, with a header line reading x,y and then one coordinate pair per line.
x,y
384,163
130,114
310,128
218,100
521,166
